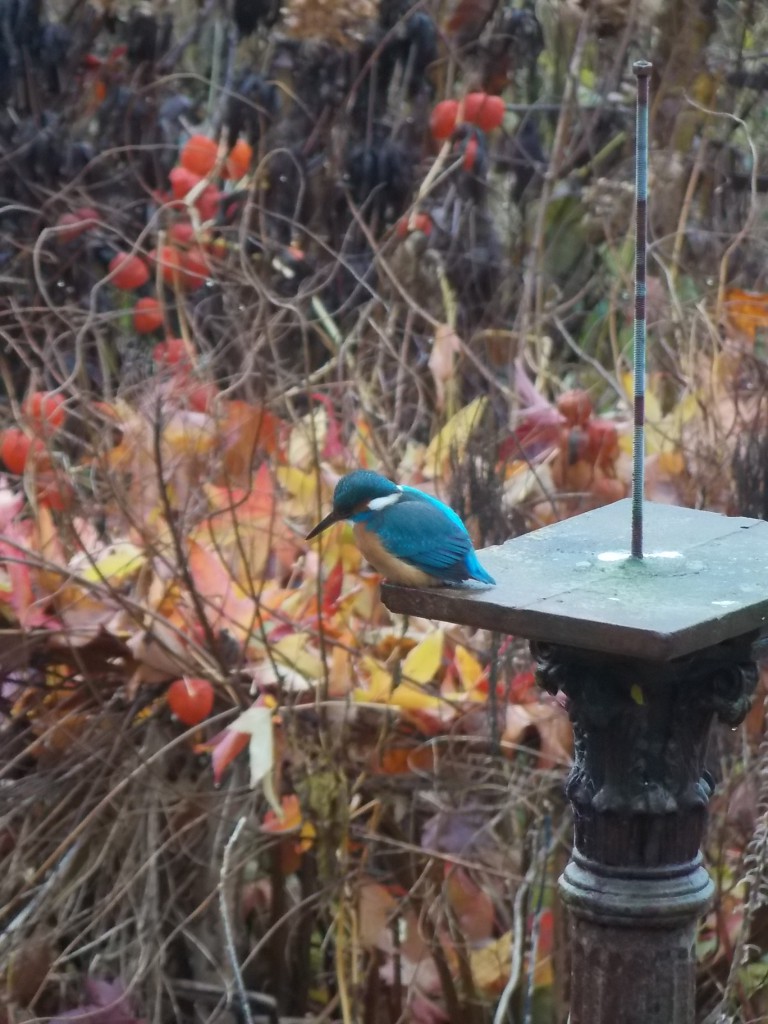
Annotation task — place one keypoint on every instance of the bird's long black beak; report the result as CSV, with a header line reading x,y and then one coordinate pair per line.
x,y
329,520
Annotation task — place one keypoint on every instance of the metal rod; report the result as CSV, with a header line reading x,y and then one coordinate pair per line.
x,y
642,70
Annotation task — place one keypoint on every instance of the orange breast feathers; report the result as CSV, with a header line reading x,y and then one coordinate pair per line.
x,y
390,567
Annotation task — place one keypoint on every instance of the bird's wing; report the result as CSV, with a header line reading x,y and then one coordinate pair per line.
x,y
412,493
421,534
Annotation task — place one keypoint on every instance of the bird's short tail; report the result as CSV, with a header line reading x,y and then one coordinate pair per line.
x,y
477,572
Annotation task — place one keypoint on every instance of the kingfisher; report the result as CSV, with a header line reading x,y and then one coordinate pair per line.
x,y
408,536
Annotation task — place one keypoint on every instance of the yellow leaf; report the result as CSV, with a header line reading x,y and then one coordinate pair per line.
x,y
413,698
454,437
364,450
636,692
663,434
295,651
189,434
115,565
363,601
379,687
490,965
652,406
339,546
302,486
422,663
469,668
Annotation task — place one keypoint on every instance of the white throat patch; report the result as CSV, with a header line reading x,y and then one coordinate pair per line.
x,y
377,504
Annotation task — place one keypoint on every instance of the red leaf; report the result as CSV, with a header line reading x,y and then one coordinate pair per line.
x,y
332,588
22,598
228,745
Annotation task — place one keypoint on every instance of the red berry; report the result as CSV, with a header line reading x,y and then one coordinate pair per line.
x,y
195,268
171,352
147,316
442,121
208,203
182,181
202,396
470,153
417,222
239,160
169,258
45,411
182,233
74,224
16,448
129,271
487,112
199,154
190,700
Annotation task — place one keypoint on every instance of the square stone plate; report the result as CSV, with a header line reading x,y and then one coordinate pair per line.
x,y
703,579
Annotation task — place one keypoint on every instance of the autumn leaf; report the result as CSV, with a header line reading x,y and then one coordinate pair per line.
x,y
224,748
332,588
227,606
256,723
340,681
302,486
243,527
453,438
414,698
256,502
289,818
253,729
298,653
663,433
161,651
746,312
116,565
469,669
29,610
543,971
188,435
490,965
245,431
423,662
379,688
543,726
307,439
333,449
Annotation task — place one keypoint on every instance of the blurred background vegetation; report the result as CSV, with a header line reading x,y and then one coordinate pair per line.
x,y
246,247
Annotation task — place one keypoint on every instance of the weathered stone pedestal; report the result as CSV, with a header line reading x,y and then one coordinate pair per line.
x,y
648,653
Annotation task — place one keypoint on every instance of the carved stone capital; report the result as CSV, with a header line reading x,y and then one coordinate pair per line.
x,y
635,884
638,785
